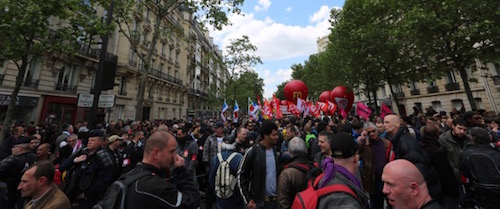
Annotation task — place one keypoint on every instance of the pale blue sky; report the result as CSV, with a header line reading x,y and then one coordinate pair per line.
x,y
285,32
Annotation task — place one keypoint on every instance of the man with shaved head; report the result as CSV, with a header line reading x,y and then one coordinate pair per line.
x,y
407,147
162,189
405,186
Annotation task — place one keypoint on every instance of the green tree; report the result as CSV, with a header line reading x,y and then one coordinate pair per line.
x,y
48,29
212,12
249,84
280,92
452,34
239,58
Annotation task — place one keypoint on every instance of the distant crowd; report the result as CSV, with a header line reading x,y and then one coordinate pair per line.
x,y
426,160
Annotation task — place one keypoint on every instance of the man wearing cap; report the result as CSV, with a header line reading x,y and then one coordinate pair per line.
x,y
212,146
228,148
113,149
12,168
479,162
342,170
89,172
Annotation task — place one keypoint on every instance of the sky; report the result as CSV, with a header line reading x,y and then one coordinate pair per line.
x,y
284,31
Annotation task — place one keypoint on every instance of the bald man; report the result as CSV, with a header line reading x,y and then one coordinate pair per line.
x,y
407,147
405,186
160,190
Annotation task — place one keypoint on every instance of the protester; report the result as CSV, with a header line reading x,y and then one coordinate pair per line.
x,y
156,190
405,186
374,153
113,149
258,174
12,168
290,132
453,142
479,162
187,148
8,143
293,178
212,146
324,141
228,148
43,152
37,183
89,171
67,130
341,169
132,154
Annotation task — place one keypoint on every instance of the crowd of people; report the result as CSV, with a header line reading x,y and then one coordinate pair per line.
x,y
425,160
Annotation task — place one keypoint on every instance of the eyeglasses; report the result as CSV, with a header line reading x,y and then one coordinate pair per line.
x,y
372,131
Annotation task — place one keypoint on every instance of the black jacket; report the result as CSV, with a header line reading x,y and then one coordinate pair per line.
x,y
157,191
252,174
407,147
449,184
11,170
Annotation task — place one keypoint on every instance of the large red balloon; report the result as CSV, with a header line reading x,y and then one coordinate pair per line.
x,y
324,96
295,89
341,94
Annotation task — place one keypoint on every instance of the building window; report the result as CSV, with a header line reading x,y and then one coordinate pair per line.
x,y
120,110
413,85
431,83
65,79
479,103
383,93
419,106
161,67
450,77
436,105
163,46
457,104
123,87
32,73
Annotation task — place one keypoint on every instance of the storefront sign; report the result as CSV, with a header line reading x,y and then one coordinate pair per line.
x,y
105,101
21,101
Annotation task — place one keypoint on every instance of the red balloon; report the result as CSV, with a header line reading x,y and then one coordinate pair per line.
x,y
341,94
295,89
324,96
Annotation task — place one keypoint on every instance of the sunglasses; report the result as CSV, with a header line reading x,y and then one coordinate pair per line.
x,y
372,131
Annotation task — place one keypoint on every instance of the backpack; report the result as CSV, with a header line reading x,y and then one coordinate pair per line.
x,y
224,180
311,170
117,192
308,199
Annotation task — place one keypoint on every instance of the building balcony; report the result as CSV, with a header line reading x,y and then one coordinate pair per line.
x,y
1,79
432,89
94,53
65,87
452,86
132,63
399,95
31,83
496,80
164,76
414,92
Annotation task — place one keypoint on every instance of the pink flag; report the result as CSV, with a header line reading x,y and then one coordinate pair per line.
x,y
332,107
384,110
363,111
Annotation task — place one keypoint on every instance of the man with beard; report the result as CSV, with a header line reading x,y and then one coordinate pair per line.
x,y
187,148
453,142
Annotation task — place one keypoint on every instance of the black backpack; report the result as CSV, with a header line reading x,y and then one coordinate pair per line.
x,y
117,192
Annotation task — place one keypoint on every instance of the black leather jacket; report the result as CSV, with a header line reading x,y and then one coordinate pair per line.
x,y
157,191
11,170
252,174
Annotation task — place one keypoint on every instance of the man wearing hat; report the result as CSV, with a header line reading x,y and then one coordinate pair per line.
x,y
12,168
89,172
341,169
113,149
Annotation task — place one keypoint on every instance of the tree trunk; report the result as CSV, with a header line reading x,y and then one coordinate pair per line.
x,y
468,92
145,73
377,110
393,94
12,103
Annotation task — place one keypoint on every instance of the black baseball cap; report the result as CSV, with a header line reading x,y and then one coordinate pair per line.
x,y
96,133
343,145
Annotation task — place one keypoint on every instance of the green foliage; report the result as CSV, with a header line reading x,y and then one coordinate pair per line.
x,y
249,84
50,29
280,93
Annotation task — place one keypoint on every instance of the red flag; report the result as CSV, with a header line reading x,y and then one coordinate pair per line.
x,y
275,103
313,109
363,111
292,108
323,107
266,110
332,107
384,110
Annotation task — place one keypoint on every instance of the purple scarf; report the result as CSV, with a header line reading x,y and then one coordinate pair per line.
x,y
330,168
